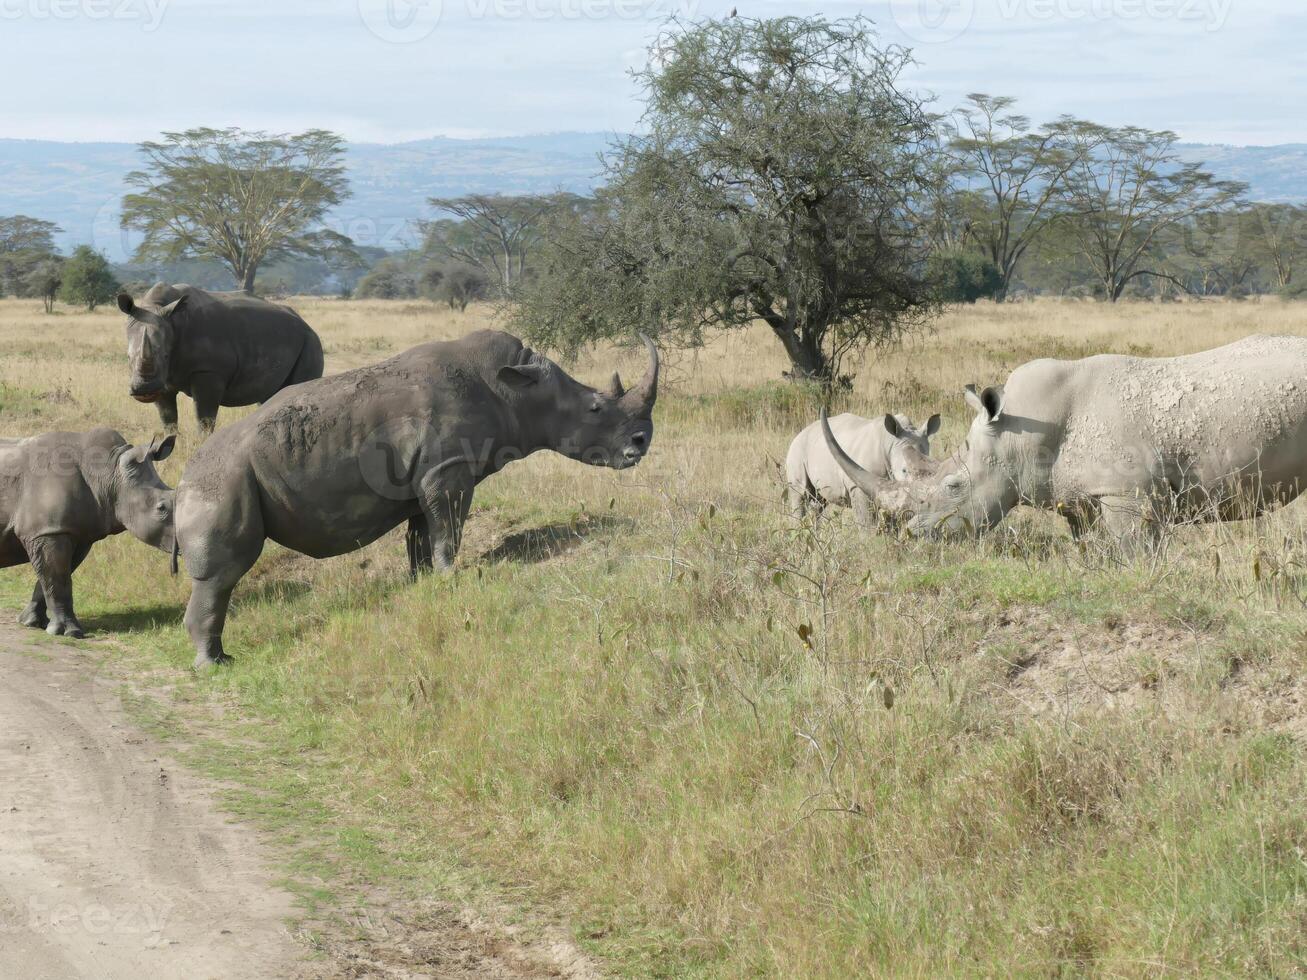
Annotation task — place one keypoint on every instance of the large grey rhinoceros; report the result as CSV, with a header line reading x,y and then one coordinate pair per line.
x,y
329,466
220,348
1134,443
889,447
63,491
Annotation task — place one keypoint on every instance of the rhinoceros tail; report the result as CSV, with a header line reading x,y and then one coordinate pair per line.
x,y
176,550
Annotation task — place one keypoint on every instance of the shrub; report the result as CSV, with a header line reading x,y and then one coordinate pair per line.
x,y
388,279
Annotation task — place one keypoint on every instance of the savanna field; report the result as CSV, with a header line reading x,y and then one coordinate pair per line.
x,y
711,740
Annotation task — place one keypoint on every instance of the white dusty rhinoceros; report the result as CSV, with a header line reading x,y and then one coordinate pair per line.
x,y
329,466
1136,443
889,447
63,491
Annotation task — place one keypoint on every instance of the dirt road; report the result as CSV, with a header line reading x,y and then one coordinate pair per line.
x,y
113,861
116,864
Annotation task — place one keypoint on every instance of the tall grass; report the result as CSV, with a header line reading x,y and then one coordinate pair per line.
x,y
724,743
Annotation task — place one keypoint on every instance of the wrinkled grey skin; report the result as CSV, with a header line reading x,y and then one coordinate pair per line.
x,y
329,466
219,348
63,491
888,446
1133,443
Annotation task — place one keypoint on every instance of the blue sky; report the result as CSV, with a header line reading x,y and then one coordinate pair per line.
x,y
389,70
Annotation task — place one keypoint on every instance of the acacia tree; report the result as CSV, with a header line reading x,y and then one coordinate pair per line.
x,y
44,280
1127,190
776,182
492,232
1019,172
239,197
1277,235
25,243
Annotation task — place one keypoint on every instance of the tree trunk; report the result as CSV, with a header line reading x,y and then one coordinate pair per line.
x,y
808,361
247,279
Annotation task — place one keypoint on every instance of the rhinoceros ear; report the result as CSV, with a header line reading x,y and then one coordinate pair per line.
x,y
521,375
892,426
932,425
161,450
174,306
988,404
125,303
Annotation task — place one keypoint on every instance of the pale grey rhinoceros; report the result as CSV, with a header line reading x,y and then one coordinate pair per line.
x,y
887,446
1136,443
220,348
329,466
63,491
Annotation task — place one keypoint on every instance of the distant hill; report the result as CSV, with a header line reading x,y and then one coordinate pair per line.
x,y
79,185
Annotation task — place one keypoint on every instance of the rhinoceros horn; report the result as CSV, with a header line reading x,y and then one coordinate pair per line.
x,y
640,399
872,486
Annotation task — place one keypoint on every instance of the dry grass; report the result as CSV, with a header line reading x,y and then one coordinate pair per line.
x,y
722,743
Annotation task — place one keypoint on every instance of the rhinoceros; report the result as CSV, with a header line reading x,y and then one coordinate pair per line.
x,y
220,348
1134,443
329,466
889,447
63,491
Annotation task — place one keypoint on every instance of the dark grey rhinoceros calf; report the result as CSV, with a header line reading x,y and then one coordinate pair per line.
x,y
329,466
219,348
63,491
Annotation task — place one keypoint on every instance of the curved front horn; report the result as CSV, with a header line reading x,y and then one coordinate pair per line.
x,y
864,481
646,391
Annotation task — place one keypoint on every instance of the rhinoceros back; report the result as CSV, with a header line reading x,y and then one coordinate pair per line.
x,y
257,346
331,460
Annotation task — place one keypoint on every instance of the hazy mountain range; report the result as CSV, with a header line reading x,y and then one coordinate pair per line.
x,y
79,185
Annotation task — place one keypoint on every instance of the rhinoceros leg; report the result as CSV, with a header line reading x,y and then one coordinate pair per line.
x,y
1132,520
206,391
167,404
219,545
55,557
34,615
433,535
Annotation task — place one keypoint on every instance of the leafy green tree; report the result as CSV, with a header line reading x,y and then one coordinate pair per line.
x,y
43,280
239,197
961,276
1017,174
776,182
1127,190
87,279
